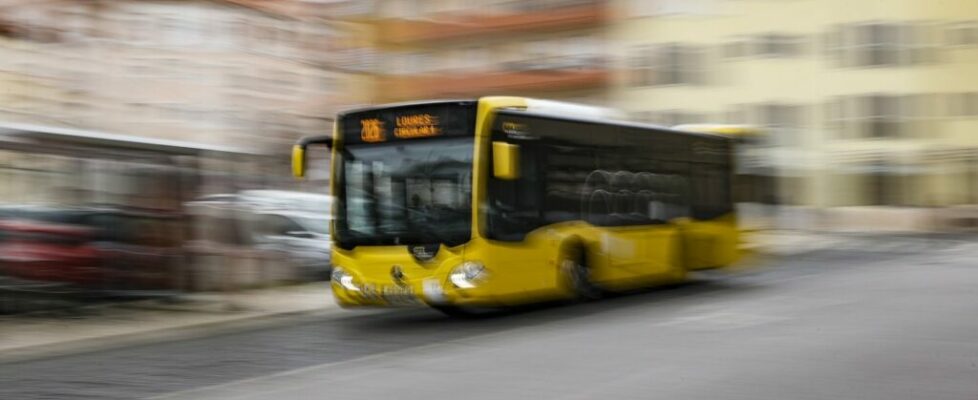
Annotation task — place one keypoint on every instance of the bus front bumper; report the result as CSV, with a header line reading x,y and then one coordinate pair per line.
x,y
430,291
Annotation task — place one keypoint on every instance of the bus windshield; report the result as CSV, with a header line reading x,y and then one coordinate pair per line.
x,y
405,192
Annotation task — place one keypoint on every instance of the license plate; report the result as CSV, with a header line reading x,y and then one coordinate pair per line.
x,y
399,295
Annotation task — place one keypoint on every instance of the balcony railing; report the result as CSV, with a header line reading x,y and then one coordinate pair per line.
x,y
530,76
578,14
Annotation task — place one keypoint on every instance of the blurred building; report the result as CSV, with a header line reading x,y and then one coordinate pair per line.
x,y
116,115
864,103
246,74
458,48
254,74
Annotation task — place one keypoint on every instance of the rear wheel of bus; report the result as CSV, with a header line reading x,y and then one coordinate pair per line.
x,y
576,271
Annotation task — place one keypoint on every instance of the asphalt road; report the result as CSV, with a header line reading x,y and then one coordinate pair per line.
x,y
833,324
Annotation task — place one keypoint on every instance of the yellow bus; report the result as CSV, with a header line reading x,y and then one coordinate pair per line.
x,y
499,201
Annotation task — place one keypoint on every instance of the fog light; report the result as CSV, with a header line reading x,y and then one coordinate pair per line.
x,y
468,275
345,279
433,291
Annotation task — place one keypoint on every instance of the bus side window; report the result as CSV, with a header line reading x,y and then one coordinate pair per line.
x,y
566,183
711,193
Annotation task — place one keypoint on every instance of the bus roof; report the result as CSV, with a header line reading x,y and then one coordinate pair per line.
x,y
532,104
623,123
563,110
721,129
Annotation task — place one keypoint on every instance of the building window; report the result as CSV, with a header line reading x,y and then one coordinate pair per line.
x,y
883,44
882,116
880,44
678,64
963,105
963,33
775,45
883,185
833,44
873,115
778,45
970,104
834,112
919,44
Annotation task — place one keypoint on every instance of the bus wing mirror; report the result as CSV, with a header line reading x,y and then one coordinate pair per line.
x,y
505,161
299,152
298,161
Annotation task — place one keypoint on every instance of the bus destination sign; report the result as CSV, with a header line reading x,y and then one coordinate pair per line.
x,y
407,123
417,125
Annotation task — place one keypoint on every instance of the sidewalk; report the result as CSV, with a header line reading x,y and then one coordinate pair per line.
x,y
795,242
41,335
786,242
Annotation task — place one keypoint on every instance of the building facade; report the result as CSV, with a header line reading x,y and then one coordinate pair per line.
x,y
864,103
456,48
247,73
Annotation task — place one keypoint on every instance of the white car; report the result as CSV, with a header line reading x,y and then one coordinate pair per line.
x,y
284,200
303,236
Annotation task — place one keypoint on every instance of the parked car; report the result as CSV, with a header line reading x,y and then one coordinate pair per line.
x,y
110,249
49,252
303,236
141,249
284,200
293,223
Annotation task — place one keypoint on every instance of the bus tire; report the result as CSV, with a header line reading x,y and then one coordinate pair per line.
x,y
578,274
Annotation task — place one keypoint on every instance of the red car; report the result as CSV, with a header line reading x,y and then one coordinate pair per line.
x,y
50,252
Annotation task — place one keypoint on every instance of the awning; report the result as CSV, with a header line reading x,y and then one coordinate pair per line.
x,y
38,136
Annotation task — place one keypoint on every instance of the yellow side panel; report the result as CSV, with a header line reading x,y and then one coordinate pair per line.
x,y
711,244
521,272
639,255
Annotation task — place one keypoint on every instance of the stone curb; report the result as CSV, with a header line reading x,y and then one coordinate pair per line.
x,y
161,335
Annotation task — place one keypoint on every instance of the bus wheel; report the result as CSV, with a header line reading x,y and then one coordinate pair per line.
x,y
578,275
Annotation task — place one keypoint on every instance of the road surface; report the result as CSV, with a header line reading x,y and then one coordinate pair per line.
x,y
899,323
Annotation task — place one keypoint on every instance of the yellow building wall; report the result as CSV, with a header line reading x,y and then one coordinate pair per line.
x,y
812,79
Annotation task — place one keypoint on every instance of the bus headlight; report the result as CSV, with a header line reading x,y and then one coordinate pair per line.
x,y
468,275
345,279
